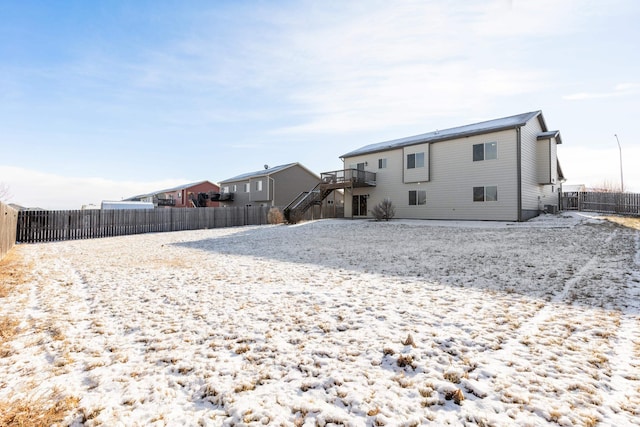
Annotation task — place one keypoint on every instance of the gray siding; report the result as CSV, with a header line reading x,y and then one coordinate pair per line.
x,y
277,189
452,175
420,174
534,194
543,160
292,181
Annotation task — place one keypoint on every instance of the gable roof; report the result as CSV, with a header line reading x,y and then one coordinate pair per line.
x,y
182,187
550,134
264,172
504,123
169,190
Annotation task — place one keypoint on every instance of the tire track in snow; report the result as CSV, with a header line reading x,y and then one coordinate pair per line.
x,y
532,325
512,374
624,392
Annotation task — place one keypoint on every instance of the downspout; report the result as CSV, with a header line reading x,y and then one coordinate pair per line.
x,y
550,163
272,191
519,172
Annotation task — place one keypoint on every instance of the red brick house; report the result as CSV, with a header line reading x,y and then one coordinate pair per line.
x,y
196,194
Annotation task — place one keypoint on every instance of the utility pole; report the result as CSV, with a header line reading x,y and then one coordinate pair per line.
x,y
621,178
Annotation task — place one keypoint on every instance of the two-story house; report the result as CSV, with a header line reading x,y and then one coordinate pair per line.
x,y
504,169
195,194
272,186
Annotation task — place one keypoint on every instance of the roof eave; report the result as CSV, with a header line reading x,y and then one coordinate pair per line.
x,y
257,174
436,139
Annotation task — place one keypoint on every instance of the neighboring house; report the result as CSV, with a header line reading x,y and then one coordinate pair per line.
x,y
575,188
272,186
196,194
125,205
504,169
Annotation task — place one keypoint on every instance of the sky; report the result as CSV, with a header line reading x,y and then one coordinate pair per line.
x,y
104,100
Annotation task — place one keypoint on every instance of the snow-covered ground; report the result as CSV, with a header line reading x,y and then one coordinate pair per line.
x,y
336,322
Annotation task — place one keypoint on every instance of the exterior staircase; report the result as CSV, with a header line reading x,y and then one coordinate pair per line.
x,y
294,211
347,178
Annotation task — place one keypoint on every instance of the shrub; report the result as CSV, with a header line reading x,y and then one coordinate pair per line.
x,y
384,210
292,217
275,216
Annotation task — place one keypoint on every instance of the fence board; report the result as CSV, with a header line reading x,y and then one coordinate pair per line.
x,y
8,227
48,226
588,201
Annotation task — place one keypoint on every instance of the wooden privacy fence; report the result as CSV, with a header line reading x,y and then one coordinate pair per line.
x,y
8,223
49,226
588,201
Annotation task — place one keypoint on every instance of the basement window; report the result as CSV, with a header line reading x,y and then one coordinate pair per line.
x,y
485,194
417,197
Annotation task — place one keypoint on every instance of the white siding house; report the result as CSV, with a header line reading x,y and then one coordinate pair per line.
x,y
504,169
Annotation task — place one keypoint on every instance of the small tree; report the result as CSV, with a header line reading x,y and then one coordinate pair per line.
x,y
5,195
606,186
384,210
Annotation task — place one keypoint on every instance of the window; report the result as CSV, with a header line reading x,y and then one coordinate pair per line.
x,y
382,163
247,187
235,189
415,160
258,185
224,190
491,194
485,194
417,197
486,151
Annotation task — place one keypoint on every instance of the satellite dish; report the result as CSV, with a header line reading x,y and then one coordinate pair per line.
x,y
266,166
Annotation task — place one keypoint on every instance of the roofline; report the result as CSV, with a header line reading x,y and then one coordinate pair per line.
x,y
556,135
176,188
259,175
433,139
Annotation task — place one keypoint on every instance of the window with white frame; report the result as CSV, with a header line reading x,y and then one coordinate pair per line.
x,y
247,187
415,160
224,190
486,151
235,188
258,185
417,197
485,194
382,163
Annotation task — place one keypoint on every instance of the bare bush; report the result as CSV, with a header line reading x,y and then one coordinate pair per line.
x,y
384,210
5,194
293,216
275,216
606,186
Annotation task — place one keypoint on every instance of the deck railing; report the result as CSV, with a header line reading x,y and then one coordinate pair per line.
x,y
353,177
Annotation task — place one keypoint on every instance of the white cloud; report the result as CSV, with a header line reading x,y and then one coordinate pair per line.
x,y
394,64
31,188
622,89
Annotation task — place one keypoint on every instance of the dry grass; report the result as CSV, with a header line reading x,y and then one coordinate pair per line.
x,y
37,412
8,328
625,221
14,271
